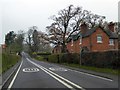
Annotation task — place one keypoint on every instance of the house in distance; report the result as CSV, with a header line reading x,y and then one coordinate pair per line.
x,y
96,39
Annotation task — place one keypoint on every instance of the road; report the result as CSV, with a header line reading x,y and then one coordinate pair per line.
x,y
38,74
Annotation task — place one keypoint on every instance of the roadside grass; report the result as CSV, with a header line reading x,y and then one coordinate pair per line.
x,y
9,60
0,63
101,70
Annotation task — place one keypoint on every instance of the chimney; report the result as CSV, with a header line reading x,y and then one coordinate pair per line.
x,y
111,26
83,28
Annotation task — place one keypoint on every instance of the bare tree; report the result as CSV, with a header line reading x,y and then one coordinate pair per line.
x,y
62,22
29,40
68,21
36,40
44,45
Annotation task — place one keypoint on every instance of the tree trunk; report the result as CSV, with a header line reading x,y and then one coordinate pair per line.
x,y
63,48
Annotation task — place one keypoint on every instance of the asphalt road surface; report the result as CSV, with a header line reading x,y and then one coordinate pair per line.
x,y
37,74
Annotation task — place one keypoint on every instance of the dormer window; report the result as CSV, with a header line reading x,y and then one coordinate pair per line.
x,y
111,42
99,39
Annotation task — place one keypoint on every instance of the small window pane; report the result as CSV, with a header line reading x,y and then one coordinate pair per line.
x,y
80,40
111,42
99,39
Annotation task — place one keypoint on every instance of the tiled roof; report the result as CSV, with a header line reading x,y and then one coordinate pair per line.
x,y
111,34
74,37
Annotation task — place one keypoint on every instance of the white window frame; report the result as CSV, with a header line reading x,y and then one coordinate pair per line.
x,y
111,42
80,40
99,39
72,42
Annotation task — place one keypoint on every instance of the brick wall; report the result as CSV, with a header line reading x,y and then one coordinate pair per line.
x,y
91,43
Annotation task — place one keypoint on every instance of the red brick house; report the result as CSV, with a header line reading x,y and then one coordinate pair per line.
x,y
57,49
95,39
3,46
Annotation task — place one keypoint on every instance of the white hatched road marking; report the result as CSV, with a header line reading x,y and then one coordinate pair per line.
x,y
58,69
54,76
30,70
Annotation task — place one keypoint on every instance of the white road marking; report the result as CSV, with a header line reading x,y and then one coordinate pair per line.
x,y
15,76
58,69
54,76
100,77
30,70
0,87
57,79
92,75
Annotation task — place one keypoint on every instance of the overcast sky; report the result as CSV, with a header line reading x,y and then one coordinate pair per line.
x,y
22,14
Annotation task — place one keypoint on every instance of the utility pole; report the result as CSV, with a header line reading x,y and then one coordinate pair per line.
x,y
81,55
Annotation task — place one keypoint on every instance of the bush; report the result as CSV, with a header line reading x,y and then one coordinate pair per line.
x,y
43,53
53,58
8,61
64,58
70,58
39,58
107,59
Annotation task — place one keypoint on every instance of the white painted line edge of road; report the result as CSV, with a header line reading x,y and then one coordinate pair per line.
x,y
15,76
8,78
100,77
50,74
92,75
54,76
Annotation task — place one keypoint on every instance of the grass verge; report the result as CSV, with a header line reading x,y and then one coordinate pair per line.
x,y
8,61
0,63
100,70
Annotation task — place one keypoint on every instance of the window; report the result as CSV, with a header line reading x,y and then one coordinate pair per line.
x,y
99,39
80,40
72,42
111,41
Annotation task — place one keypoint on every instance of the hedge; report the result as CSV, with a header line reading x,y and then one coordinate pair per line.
x,y
8,61
109,59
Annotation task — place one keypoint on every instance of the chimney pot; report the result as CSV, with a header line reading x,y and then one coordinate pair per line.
x,y
83,28
111,26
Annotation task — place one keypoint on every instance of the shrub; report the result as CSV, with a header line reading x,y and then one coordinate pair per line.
x,y
43,53
53,58
107,59
8,61
39,58
64,58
